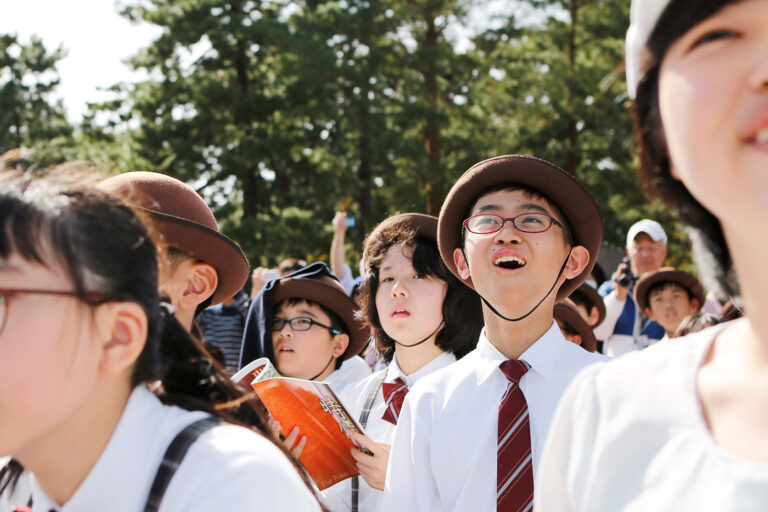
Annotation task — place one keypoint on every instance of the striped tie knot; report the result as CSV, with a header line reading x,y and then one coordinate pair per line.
x,y
394,395
514,369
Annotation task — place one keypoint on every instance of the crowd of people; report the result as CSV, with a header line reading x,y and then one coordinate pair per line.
x,y
490,362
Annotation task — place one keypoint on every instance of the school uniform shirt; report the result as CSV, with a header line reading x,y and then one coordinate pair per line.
x,y
338,498
352,371
227,468
630,435
443,457
624,328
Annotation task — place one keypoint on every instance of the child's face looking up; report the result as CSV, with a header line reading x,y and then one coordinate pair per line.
x,y
512,267
305,354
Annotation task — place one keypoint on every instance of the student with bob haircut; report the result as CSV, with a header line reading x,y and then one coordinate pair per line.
x,y
107,402
682,426
523,234
422,318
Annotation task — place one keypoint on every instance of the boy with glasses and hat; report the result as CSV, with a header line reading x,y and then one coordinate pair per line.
x,y
202,266
523,234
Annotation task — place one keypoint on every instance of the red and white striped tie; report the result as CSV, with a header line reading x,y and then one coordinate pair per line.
x,y
394,395
514,467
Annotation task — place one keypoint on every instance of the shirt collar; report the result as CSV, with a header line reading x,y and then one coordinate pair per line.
x,y
441,361
542,355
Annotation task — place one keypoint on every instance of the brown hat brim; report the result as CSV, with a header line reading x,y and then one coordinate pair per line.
x,y
576,203
573,319
332,298
210,247
671,274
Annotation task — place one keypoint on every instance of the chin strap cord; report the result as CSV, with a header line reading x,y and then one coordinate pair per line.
x,y
425,339
562,269
324,368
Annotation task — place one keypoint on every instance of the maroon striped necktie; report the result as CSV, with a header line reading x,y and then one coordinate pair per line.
x,y
394,395
514,467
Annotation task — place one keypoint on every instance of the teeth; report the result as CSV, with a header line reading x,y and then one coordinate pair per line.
x,y
762,136
510,259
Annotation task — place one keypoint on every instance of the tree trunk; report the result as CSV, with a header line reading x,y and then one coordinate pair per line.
x,y
433,188
572,164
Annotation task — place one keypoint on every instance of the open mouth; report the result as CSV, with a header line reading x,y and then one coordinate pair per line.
x,y
283,349
509,262
761,137
400,313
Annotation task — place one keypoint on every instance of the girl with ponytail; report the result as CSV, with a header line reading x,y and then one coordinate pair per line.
x,y
107,402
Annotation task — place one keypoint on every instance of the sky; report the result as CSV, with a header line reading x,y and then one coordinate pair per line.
x,y
98,40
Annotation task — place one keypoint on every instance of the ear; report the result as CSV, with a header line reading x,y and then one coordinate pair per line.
x,y
594,315
201,284
123,328
649,314
461,263
577,262
339,344
695,305
576,338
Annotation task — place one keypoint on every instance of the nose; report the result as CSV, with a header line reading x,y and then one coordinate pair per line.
x,y
286,331
398,289
759,76
508,234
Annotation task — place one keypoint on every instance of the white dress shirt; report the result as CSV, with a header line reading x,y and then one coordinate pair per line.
x,y
443,457
338,498
351,372
226,468
630,435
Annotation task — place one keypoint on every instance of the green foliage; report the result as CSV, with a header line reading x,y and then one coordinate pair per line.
x,y
283,111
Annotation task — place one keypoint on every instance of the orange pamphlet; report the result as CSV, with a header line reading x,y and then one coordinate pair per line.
x,y
319,414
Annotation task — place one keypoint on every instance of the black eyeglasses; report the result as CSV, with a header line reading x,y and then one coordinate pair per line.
x,y
530,222
300,323
6,294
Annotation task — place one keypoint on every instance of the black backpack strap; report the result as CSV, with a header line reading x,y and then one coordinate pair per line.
x,y
173,457
363,422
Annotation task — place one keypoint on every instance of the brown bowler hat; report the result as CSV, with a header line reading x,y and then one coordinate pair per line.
x,y
683,279
424,225
573,320
594,298
576,203
186,223
330,293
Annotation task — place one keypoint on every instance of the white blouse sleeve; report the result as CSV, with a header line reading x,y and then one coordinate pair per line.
x,y
565,470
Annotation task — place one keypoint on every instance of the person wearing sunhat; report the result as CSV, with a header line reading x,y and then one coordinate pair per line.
x,y
589,304
202,266
683,426
422,319
573,326
667,296
523,234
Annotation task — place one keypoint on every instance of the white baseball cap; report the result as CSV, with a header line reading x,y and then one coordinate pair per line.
x,y
643,16
650,227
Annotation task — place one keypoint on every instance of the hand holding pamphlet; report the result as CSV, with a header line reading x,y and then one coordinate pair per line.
x,y
319,414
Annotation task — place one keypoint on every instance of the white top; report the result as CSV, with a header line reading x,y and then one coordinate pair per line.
x,y
615,345
630,436
227,468
351,372
338,498
444,451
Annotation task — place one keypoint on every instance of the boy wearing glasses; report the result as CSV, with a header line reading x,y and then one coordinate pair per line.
x,y
305,324
523,234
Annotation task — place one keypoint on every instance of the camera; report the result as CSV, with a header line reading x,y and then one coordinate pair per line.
x,y
626,279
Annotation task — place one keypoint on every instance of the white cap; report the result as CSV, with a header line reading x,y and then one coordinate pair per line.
x,y
650,227
643,15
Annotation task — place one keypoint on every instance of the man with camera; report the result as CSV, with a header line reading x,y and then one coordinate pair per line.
x,y
625,328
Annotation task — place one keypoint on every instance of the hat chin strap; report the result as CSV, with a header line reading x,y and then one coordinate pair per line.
x,y
324,368
425,339
562,269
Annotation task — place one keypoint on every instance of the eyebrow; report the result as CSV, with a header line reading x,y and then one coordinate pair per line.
x,y
525,207
308,312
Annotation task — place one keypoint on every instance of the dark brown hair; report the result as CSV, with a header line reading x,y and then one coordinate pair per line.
x,y
461,308
703,228
105,250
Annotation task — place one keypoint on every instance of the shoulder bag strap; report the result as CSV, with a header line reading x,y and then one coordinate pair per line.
x,y
173,457
363,422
